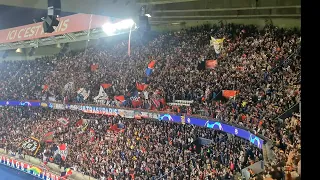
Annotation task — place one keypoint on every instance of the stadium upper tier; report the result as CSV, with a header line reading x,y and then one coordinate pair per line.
x,y
235,73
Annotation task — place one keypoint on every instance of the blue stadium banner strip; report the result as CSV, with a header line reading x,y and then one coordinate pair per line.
x,y
165,117
20,103
214,125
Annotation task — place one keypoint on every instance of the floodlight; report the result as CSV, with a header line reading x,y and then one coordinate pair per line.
x,y
19,50
124,24
109,29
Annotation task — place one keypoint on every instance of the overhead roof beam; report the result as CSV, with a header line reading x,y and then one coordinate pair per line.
x,y
128,8
230,16
225,9
154,2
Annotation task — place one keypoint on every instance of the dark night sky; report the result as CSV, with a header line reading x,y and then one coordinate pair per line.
x,y
16,16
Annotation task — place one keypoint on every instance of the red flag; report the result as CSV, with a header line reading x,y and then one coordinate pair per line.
x,y
163,101
119,98
114,128
106,85
79,123
136,101
155,102
141,87
229,93
240,68
45,87
48,137
151,64
94,67
211,64
63,150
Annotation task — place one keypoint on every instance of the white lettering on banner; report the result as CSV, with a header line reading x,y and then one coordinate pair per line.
x,y
74,107
34,30
26,34
20,32
12,163
20,166
99,110
58,106
28,167
134,98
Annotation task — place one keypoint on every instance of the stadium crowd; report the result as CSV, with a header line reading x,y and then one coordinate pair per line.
x,y
143,148
264,65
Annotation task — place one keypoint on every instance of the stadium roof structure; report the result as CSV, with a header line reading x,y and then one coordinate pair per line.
x,y
163,13
168,11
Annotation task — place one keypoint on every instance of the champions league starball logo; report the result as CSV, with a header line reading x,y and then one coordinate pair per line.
x,y
166,116
25,103
212,125
253,139
189,120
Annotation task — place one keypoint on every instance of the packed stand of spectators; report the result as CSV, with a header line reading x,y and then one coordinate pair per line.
x,y
263,64
143,148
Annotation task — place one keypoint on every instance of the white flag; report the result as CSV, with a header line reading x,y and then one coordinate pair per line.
x,y
217,44
146,94
84,93
69,86
102,96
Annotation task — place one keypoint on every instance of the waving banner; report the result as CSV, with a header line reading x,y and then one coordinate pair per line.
x,y
84,93
150,68
102,96
63,121
31,144
48,137
82,124
217,44
229,93
211,64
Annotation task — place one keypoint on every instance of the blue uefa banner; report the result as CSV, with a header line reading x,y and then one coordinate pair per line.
x,y
165,117
28,168
20,103
214,125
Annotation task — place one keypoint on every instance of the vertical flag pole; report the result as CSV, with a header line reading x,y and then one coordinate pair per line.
x,y
129,42
88,35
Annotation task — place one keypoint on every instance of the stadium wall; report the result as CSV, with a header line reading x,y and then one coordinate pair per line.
x,y
280,22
